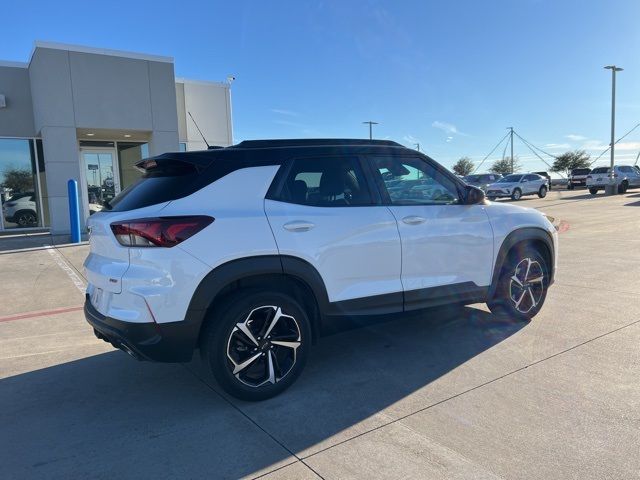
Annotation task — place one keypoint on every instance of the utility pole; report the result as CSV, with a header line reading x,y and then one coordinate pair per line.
x,y
371,124
611,189
417,146
511,149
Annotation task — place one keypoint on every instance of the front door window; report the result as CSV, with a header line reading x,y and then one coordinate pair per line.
x,y
101,178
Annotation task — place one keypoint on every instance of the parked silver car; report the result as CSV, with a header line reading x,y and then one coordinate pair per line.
x,y
482,180
517,185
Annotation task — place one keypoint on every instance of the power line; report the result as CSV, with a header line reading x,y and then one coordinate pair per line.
x,y
491,152
609,147
504,151
529,146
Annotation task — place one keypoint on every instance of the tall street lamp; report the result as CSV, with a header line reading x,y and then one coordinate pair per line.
x,y
371,124
611,189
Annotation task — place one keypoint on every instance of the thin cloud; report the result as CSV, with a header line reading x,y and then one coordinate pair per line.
x,y
410,139
447,128
575,138
282,111
557,146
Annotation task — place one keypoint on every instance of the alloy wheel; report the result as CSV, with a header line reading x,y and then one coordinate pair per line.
x,y
26,219
262,348
527,285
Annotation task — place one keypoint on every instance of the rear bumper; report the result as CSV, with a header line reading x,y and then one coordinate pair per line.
x,y
166,342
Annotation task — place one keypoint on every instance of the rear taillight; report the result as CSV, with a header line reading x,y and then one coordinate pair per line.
x,y
158,232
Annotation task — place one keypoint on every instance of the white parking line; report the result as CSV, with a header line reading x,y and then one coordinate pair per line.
x,y
77,281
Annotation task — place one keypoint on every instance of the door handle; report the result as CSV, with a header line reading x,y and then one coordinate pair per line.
x,y
298,226
414,220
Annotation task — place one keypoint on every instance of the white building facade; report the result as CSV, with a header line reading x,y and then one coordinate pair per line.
x,y
90,114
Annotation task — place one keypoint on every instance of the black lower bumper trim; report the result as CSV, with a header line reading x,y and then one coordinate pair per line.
x,y
166,342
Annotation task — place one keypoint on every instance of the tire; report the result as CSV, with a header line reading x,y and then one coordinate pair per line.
x,y
26,218
593,191
521,298
517,194
491,199
570,186
542,192
228,343
623,187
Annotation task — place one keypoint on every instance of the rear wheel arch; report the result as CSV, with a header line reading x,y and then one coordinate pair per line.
x,y
535,237
300,280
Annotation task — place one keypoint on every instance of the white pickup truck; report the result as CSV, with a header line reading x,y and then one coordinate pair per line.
x,y
624,177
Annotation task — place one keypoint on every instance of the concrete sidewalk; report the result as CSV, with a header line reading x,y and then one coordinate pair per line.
x,y
447,393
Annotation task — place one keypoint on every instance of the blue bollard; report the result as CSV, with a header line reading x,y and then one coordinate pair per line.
x,y
74,210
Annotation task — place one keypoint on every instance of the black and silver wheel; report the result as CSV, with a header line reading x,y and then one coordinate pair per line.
x,y
258,346
623,187
26,218
522,287
593,191
570,186
517,194
542,192
491,199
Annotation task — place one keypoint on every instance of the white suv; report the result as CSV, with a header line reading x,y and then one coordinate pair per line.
x,y
624,176
251,251
517,185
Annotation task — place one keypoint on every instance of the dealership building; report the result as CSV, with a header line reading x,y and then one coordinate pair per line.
x,y
90,114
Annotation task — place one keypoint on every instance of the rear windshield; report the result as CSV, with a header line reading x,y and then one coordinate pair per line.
x,y
158,185
600,170
580,171
626,169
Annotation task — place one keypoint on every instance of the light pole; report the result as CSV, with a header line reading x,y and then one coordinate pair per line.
x,y
371,124
611,189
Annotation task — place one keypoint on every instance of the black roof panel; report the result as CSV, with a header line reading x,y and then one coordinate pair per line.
x,y
314,142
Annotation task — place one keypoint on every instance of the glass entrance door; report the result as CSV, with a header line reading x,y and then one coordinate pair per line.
x,y
101,183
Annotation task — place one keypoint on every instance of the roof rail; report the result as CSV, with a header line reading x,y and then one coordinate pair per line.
x,y
313,142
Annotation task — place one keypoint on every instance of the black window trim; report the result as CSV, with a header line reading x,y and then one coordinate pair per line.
x,y
277,186
382,189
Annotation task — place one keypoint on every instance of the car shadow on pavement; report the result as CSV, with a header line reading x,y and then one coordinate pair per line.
x,y
110,416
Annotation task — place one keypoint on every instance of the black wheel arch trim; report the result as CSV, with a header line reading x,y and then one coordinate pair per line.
x,y
512,239
245,268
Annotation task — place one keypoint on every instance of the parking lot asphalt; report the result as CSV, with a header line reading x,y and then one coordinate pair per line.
x,y
444,393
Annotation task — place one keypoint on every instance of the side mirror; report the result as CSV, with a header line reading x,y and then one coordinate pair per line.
x,y
474,195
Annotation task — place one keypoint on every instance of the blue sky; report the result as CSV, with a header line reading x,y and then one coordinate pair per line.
x,y
450,75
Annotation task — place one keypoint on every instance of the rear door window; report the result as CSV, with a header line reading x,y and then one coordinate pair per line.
x,y
326,182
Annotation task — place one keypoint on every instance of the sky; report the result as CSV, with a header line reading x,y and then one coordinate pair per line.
x,y
449,75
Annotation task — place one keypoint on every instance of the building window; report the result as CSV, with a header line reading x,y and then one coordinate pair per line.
x,y
18,184
130,153
183,147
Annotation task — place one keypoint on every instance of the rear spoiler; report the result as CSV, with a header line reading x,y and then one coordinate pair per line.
x,y
198,160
